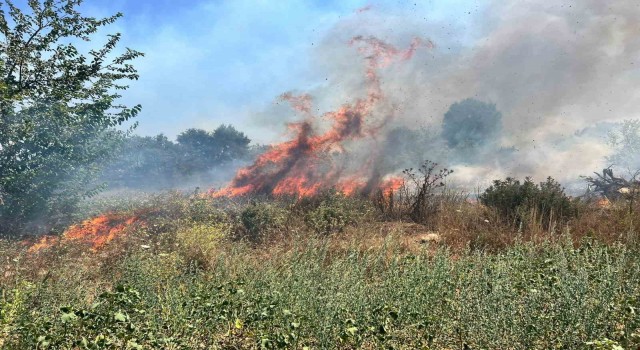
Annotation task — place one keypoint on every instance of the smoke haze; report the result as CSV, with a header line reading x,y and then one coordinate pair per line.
x,y
552,69
562,75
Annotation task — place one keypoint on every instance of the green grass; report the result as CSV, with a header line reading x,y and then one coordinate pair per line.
x,y
325,273
529,296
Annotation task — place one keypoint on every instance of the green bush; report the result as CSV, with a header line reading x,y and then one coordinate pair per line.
x,y
521,202
117,320
197,243
334,212
260,219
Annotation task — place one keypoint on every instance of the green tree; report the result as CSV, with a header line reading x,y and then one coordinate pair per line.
x,y
58,109
150,162
230,143
204,150
471,123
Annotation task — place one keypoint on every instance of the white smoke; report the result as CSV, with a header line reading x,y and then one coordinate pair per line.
x,y
551,69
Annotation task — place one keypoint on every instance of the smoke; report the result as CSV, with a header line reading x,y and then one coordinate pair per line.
x,y
550,69
314,159
560,75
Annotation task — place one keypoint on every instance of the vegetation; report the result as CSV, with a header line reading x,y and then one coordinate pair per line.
x,y
333,212
183,280
470,123
416,266
420,197
208,149
58,110
261,219
519,202
196,153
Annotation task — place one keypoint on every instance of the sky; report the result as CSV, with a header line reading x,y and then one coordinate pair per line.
x,y
209,62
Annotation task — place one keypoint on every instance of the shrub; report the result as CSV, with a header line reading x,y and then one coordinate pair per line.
x,y
198,242
261,219
523,202
420,196
335,212
427,181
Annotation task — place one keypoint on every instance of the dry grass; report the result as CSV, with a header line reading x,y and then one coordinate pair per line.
x,y
192,247
460,224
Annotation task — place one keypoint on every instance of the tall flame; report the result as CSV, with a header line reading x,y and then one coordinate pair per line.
x,y
308,163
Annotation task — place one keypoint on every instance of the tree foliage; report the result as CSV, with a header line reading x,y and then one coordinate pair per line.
x,y
144,162
58,108
155,162
203,150
471,123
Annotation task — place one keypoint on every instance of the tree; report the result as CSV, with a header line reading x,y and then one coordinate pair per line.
x,y
204,150
197,149
155,162
145,163
58,109
231,144
470,123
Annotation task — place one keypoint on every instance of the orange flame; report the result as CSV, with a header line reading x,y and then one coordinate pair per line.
x,y
95,232
43,243
391,185
309,162
351,186
603,203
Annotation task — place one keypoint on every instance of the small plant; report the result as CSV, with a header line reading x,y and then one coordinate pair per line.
x,y
197,243
12,306
335,212
114,321
416,197
427,181
419,197
605,344
260,219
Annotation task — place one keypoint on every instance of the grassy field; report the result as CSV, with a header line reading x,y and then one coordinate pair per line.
x,y
190,272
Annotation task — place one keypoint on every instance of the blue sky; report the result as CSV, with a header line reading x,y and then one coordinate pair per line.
x,y
212,61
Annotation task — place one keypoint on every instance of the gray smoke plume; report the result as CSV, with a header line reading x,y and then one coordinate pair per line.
x,y
553,69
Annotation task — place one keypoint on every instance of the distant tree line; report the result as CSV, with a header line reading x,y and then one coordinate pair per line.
x,y
157,162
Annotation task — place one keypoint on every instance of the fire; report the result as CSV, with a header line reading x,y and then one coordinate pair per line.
x,y
603,203
391,185
95,232
44,242
313,161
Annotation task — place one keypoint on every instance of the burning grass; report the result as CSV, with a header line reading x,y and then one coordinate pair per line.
x,y
328,271
94,232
